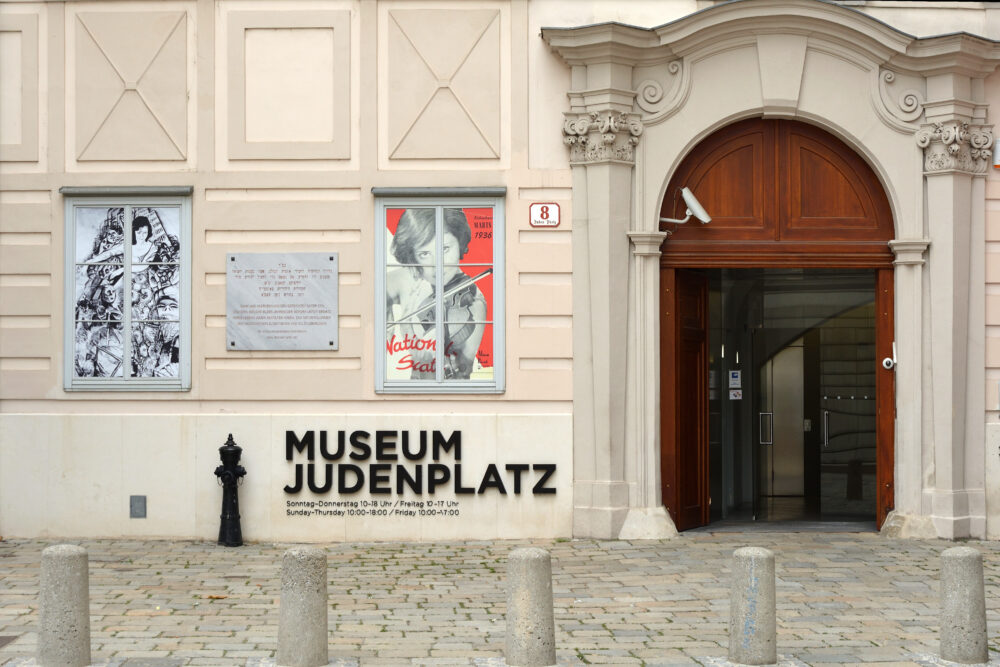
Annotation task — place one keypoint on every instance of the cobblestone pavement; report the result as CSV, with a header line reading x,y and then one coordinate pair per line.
x,y
842,598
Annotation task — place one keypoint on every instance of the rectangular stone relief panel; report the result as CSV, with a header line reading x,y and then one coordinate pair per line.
x,y
289,85
131,85
18,88
442,97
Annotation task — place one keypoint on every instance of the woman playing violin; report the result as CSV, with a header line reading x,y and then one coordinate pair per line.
x,y
411,289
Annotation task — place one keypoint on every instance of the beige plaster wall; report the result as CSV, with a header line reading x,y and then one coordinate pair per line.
x,y
282,154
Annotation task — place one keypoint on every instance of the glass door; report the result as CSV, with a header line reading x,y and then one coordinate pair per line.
x,y
847,409
797,441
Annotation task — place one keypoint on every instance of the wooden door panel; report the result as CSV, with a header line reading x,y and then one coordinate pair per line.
x,y
885,391
770,183
684,399
799,254
692,434
735,173
668,391
832,200
733,179
827,193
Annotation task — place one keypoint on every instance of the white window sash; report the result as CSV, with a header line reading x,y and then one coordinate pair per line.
x,y
106,198
497,322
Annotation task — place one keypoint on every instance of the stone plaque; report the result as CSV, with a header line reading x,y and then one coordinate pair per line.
x,y
281,301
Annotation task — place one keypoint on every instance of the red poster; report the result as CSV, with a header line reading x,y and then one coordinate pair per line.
x,y
456,251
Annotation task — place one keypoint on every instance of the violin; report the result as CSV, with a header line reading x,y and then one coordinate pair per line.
x,y
458,328
459,296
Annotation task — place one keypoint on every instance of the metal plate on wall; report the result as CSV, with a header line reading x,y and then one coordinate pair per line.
x,y
282,301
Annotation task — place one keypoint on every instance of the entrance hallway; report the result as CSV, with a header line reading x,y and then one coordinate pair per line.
x,y
792,395
841,598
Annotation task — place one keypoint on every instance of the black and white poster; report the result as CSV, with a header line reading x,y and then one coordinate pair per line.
x,y
127,292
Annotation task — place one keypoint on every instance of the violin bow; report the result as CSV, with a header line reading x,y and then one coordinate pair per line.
x,y
457,288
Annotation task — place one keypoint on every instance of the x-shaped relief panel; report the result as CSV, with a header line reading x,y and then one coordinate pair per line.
x,y
444,89
131,86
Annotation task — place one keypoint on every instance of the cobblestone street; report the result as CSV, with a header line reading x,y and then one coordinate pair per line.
x,y
842,598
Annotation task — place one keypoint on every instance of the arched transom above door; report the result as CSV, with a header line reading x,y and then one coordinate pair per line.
x,y
779,192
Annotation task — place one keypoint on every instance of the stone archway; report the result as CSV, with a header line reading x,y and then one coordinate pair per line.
x,y
643,97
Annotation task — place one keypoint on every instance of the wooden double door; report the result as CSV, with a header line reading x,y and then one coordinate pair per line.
x,y
796,257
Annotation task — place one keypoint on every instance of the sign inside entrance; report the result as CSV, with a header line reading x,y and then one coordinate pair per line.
x,y
735,379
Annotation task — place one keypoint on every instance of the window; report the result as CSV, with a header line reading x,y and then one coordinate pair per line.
x,y
447,338
128,286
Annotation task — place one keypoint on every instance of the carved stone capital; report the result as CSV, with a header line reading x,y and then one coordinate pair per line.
x,y
646,244
956,146
909,251
602,136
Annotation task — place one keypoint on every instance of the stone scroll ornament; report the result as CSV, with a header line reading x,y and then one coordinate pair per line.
x,y
908,105
660,99
602,136
957,146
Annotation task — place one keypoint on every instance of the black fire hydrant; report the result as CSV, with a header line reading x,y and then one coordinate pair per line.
x,y
229,474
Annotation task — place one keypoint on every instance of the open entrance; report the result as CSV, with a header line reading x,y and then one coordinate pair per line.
x,y
791,394
775,319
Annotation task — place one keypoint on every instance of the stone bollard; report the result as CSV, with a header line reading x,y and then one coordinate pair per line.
x,y
963,606
531,634
302,621
751,608
64,601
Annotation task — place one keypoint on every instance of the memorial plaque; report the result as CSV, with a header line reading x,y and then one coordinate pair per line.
x,y
281,301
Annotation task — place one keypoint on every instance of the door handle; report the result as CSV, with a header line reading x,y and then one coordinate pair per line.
x,y
770,428
826,428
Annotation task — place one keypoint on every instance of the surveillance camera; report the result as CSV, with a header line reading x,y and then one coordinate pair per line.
x,y
694,207
888,363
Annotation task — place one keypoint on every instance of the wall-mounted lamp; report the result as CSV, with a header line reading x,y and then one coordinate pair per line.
x,y
694,208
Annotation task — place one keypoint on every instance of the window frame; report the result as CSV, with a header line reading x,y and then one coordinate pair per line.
x,y
441,198
128,198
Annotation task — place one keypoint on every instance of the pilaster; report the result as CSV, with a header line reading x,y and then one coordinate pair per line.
x,y
909,317
647,518
956,153
602,145
602,152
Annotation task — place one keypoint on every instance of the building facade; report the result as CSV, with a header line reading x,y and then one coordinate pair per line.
x,y
425,261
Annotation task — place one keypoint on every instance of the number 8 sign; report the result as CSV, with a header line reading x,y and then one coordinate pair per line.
x,y
544,215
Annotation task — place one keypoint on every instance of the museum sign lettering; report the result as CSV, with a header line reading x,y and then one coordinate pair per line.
x,y
396,462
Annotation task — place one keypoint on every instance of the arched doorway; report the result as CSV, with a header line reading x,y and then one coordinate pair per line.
x,y
775,318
